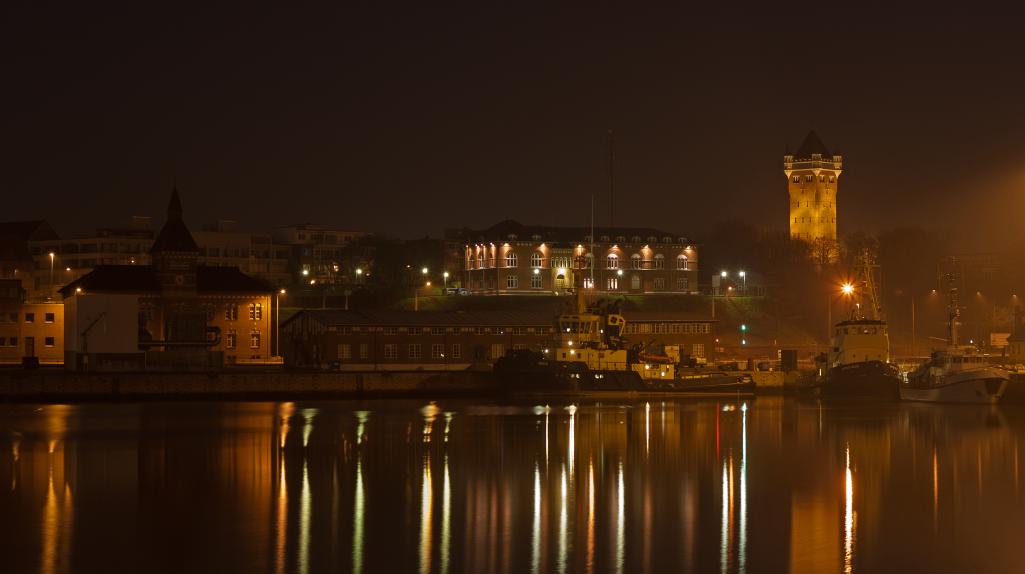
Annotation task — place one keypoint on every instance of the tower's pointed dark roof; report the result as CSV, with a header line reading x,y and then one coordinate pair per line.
x,y
812,144
174,236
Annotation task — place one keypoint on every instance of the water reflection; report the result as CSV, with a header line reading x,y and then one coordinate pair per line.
x,y
849,519
768,485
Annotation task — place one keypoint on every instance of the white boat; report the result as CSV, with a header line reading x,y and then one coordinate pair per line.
x,y
955,374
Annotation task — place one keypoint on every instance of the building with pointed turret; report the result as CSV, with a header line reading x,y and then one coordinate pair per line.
x,y
813,175
172,315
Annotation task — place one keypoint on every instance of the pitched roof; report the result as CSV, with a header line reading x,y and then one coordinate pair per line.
x,y
564,234
812,145
15,235
174,236
144,279
36,230
117,279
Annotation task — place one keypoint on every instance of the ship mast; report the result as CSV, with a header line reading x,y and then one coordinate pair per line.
x,y
953,309
868,306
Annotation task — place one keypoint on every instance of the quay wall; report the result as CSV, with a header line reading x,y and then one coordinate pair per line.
x,y
250,385
54,385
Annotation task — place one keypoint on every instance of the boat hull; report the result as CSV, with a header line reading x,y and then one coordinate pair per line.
x,y
542,378
868,380
979,387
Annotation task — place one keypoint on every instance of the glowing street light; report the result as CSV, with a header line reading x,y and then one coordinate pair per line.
x,y
52,256
445,276
723,274
424,271
847,289
277,322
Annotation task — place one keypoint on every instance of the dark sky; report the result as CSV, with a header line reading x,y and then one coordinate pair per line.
x,y
410,118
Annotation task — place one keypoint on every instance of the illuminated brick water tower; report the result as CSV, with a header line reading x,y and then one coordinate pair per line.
x,y
812,180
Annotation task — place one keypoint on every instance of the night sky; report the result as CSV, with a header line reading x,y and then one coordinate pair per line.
x,y
410,118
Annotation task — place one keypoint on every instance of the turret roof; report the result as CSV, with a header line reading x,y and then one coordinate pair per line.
x,y
174,236
812,145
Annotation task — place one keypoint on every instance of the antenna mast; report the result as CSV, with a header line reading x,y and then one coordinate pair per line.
x,y
612,179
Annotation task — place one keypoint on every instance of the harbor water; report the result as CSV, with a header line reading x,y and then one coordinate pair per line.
x,y
770,484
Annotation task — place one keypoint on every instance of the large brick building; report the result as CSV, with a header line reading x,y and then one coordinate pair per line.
x,y
174,314
510,258
438,340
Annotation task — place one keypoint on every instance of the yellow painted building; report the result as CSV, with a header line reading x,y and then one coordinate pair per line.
x,y
813,175
29,328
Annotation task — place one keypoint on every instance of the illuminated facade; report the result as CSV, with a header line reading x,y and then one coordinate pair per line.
x,y
510,258
29,328
813,175
175,314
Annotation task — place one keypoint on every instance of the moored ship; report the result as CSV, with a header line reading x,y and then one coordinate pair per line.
x,y
858,361
590,356
956,373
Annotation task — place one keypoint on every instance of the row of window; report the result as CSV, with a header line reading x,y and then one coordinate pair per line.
x,y
611,283
822,178
92,248
607,238
231,312
242,252
611,261
391,351
393,330
231,340
13,341
29,318
664,328
811,220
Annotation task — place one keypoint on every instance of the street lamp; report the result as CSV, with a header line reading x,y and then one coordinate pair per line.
x,y
277,321
847,289
52,256
359,273
445,275
743,275
424,271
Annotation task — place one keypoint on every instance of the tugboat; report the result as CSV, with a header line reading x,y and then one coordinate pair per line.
x,y
858,362
590,356
957,373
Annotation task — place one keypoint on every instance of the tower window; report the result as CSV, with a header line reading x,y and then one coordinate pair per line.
x,y
807,178
831,179
822,178
797,179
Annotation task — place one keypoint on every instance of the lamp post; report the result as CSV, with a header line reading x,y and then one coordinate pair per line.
x,y
277,322
52,256
743,276
416,296
359,274
445,276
